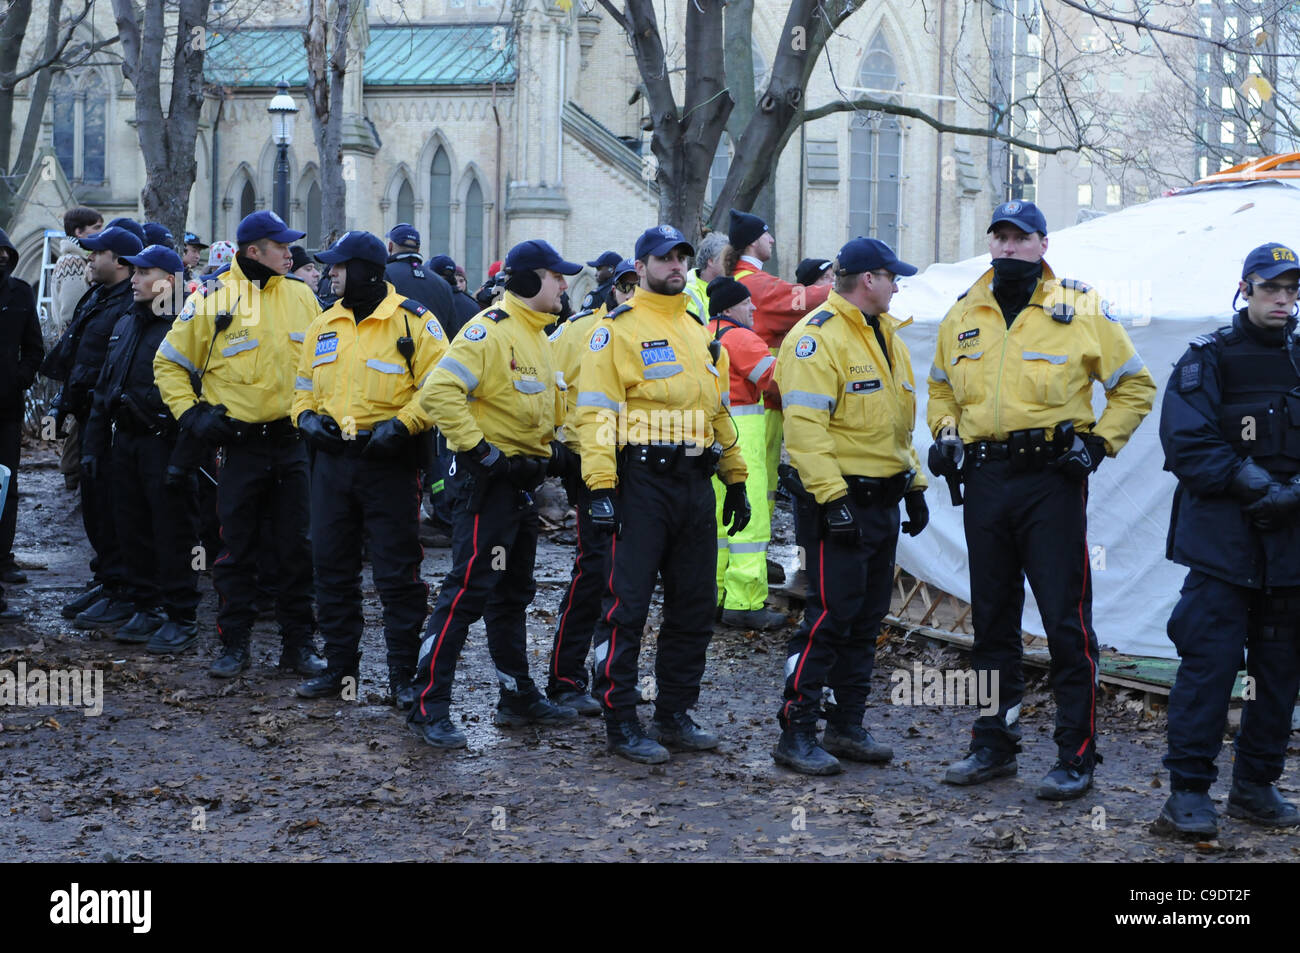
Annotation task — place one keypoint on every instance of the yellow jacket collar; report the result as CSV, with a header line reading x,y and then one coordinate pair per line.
x,y
515,306
665,306
236,274
839,303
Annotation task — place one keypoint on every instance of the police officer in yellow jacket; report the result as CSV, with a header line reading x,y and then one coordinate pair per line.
x,y
653,424
566,677
242,339
849,406
356,400
1011,408
496,399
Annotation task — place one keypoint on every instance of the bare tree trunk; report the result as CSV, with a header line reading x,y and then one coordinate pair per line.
x,y
11,41
167,141
40,92
327,52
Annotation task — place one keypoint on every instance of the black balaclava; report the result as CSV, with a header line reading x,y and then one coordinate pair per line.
x,y
1014,282
1269,337
365,288
255,271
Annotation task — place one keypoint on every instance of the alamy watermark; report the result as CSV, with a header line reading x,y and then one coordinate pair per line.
x,y
945,687
58,687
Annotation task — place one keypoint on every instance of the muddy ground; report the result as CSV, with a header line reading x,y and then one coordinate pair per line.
x,y
183,767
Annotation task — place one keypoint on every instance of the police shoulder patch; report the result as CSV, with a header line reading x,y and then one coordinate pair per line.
x,y
497,314
434,328
410,304
589,302
806,346
187,312
599,339
820,318
1188,376
619,310
1070,284
475,332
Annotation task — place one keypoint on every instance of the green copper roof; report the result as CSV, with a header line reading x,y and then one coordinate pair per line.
x,y
463,55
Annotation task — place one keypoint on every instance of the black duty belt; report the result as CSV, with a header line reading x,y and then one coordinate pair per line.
x,y
1025,450
879,491
275,431
685,459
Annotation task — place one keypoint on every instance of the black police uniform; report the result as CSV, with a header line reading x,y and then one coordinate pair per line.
x,y
466,307
21,351
1242,590
407,273
157,522
76,360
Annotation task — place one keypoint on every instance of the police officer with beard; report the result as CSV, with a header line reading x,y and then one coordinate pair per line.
x,y
1011,396
1230,427
653,424
495,398
156,519
356,399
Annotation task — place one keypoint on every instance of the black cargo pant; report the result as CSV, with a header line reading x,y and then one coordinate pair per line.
x,y
157,525
580,606
493,550
1035,524
97,517
1210,626
352,495
669,529
849,588
264,476
11,426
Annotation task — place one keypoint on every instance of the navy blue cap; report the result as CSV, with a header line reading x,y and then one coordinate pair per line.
x,y
871,254
659,241
744,229
156,233
607,259
1024,215
157,256
622,268
351,245
192,239
131,225
266,224
442,265
404,234
1269,261
538,254
116,239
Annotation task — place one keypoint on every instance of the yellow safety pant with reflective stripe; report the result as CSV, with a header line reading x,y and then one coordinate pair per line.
x,y
774,427
742,559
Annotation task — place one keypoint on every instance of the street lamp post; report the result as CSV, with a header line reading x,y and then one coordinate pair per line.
x,y
283,110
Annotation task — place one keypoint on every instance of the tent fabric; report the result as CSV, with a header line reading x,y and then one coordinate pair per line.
x,y
1168,269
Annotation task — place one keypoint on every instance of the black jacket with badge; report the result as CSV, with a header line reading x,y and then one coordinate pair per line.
x,y
79,355
1234,395
125,392
466,308
21,346
408,274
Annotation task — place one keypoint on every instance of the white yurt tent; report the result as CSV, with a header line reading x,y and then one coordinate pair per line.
x,y
1168,269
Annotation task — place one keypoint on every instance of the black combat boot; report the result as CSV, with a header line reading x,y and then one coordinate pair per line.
x,y
799,751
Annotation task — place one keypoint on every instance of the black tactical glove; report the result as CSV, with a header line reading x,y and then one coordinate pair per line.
x,y
946,455
388,439
209,423
838,521
1277,507
526,472
1250,482
735,508
918,514
564,463
487,461
1083,458
321,431
604,512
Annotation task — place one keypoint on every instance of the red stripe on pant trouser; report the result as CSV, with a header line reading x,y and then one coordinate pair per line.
x,y
613,631
1092,680
451,614
564,616
821,591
